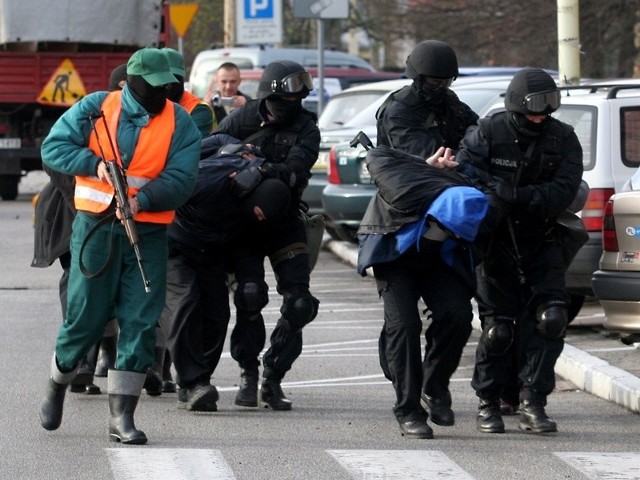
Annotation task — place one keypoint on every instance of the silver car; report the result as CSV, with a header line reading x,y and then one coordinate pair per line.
x,y
617,282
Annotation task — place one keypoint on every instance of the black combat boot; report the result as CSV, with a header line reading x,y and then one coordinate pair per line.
x,y
106,355
272,395
248,391
416,428
439,409
153,382
489,419
124,392
50,413
534,418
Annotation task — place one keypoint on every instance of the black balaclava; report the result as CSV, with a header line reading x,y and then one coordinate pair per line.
x,y
428,91
272,196
176,90
285,111
153,99
526,127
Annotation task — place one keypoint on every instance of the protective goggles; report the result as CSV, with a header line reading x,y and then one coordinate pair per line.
x,y
542,102
439,82
293,83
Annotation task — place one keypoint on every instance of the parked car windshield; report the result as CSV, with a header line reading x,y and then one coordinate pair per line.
x,y
342,108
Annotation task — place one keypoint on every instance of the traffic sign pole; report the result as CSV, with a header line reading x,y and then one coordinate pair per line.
x,y
181,16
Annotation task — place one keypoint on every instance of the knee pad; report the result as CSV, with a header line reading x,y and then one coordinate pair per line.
x,y
299,310
497,335
552,320
251,296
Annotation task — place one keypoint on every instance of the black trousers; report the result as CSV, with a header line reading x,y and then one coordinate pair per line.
x,y
292,278
401,284
502,292
196,314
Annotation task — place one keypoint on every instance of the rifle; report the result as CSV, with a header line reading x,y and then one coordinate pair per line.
x,y
119,182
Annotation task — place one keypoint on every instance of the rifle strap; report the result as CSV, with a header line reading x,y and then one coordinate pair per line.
x,y
111,217
259,134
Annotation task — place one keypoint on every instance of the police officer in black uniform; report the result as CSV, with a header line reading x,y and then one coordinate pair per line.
x,y
289,138
201,239
419,119
427,114
532,164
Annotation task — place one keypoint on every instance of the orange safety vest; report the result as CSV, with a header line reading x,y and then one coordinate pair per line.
x,y
189,101
148,161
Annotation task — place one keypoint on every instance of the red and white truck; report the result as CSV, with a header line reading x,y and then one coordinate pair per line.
x,y
54,53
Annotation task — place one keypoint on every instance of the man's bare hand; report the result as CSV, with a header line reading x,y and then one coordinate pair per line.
x,y
239,101
443,158
103,173
134,206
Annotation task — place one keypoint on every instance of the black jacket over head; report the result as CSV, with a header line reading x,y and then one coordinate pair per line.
x,y
214,215
406,187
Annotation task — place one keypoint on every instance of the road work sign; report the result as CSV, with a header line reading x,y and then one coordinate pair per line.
x,y
64,88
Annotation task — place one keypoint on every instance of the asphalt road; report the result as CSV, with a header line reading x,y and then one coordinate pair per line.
x,y
341,425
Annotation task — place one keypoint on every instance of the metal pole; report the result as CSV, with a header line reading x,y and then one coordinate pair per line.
x,y
320,66
568,42
180,48
229,15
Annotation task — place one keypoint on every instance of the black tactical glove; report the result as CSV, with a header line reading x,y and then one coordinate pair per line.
x,y
245,181
511,194
505,192
279,171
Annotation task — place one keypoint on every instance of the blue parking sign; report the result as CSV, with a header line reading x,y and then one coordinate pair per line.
x,y
254,9
258,22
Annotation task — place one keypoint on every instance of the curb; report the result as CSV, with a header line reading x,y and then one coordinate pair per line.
x,y
587,372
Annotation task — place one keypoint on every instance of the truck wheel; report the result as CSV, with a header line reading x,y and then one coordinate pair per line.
x,y
9,186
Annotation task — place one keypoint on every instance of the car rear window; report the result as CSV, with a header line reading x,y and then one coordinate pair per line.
x,y
630,136
584,121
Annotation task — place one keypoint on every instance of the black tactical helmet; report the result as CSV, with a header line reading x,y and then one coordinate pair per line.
x,y
532,91
432,58
284,78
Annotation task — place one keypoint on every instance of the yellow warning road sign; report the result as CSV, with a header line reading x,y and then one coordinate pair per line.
x,y
64,88
181,16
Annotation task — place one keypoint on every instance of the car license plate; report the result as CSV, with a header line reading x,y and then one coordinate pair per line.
x,y
365,176
10,143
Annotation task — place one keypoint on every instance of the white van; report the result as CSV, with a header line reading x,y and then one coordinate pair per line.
x,y
207,62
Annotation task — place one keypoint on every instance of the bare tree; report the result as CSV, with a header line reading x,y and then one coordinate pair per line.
x,y
483,32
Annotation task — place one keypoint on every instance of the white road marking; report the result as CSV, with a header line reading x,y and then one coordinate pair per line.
x,y
187,464
168,464
398,464
599,465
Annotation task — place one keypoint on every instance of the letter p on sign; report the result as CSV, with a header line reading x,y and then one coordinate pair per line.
x,y
259,8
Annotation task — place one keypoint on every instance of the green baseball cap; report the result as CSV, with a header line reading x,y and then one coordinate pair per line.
x,y
152,65
176,61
